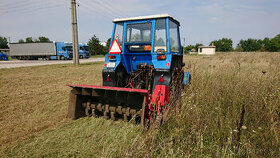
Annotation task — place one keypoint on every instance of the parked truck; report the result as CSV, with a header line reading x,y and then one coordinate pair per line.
x,y
45,50
83,50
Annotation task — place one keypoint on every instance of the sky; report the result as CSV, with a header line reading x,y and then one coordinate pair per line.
x,y
201,21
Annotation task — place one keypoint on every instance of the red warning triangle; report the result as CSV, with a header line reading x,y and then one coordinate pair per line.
x,y
115,48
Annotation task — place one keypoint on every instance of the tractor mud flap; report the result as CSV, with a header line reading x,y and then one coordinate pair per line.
x,y
111,102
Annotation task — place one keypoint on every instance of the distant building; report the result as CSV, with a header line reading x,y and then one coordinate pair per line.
x,y
207,50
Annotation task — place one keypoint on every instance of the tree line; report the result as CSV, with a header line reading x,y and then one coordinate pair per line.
x,y
222,45
248,45
31,40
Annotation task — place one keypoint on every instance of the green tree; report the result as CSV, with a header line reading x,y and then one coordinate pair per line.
x,y
271,45
274,44
28,40
223,45
250,44
265,44
20,41
3,43
108,42
238,49
188,48
95,47
43,39
107,47
277,37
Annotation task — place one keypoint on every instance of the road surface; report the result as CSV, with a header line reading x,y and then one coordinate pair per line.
x,y
24,63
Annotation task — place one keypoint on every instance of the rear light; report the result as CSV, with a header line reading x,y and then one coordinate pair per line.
x,y
161,79
112,57
147,48
108,78
161,57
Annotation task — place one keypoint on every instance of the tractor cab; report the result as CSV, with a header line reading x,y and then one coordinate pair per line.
x,y
145,40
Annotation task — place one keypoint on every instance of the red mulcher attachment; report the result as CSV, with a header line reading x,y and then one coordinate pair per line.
x,y
157,105
115,102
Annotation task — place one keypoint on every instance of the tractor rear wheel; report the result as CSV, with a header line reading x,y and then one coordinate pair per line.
x,y
176,87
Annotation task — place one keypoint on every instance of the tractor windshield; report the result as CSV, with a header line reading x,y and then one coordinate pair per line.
x,y
138,37
139,33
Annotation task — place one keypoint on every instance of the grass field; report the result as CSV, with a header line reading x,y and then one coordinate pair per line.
x,y
232,108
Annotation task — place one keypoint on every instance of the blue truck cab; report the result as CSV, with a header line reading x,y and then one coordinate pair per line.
x,y
84,51
3,56
66,51
151,40
63,51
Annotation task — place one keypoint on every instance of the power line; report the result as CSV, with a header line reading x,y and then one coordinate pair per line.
x,y
14,5
89,7
94,5
90,10
20,5
31,10
32,7
114,8
111,9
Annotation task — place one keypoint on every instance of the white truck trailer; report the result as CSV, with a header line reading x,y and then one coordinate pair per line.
x,y
46,50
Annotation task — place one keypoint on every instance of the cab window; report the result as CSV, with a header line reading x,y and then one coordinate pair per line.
x,y
160,36
138,37
139,33
174,37
118,35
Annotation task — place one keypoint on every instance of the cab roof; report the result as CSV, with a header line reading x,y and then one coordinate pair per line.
x,y
157,16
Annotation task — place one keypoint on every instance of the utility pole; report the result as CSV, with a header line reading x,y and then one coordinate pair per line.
x,y
74,33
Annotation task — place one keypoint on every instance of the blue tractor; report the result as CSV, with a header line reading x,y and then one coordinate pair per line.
x,y
142,75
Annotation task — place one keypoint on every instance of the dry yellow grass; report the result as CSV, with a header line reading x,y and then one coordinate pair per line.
x,y
36,98
34,102
207,125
